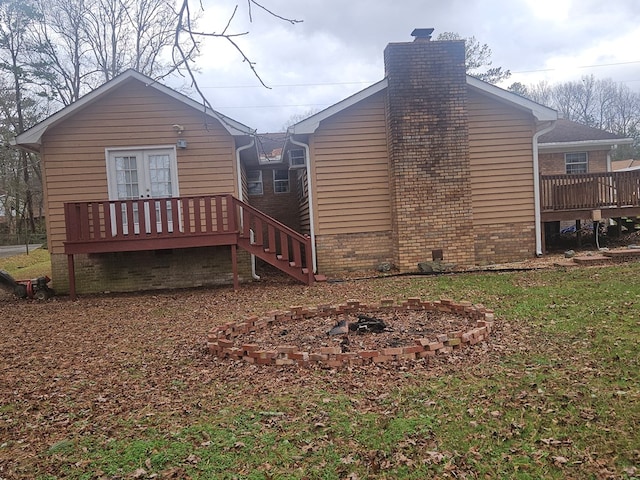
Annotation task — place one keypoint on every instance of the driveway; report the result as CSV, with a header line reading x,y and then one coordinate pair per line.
x,y
11,250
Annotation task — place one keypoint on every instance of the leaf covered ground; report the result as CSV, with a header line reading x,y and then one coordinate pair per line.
x,y
121,386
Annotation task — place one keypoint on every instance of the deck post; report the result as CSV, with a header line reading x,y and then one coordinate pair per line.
x,y
234,266
71,270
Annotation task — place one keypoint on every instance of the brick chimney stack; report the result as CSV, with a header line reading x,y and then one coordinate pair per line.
x,y
428,139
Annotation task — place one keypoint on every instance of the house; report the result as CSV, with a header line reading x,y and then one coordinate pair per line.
x,y
109,157
575,148
625,165
146,189
579,182
427,163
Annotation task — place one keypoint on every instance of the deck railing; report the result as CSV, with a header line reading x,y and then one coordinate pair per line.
x,y
590,191
183,222
102,225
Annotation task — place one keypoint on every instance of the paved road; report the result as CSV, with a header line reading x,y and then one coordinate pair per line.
x,y
11,250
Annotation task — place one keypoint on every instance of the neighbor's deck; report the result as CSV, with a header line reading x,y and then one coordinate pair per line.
x,y
575,197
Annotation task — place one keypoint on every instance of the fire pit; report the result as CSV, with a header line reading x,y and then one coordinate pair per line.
x,y
353,333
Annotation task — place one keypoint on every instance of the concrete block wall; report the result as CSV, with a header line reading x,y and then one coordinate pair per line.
x,y
428,140
149,270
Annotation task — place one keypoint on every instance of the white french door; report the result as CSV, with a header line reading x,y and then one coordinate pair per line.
x,y
142,174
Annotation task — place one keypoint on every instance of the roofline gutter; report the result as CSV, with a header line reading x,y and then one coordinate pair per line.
x,y
312,227
547,127
586,143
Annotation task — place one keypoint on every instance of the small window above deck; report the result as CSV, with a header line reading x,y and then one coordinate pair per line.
x,y
576,162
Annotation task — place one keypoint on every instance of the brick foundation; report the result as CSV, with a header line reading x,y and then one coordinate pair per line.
x,y
149,270
353,251
223,341
506,242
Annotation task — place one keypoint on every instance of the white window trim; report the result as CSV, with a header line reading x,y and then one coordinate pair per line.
x,y
111,173
112,184
260,181
294,161
585,163
288,180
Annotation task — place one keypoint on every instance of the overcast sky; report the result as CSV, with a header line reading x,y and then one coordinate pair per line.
x,y
337,49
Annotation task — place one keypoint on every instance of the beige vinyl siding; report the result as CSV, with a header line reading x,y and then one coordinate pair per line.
x,y
74,163
351,170
303,201
501,156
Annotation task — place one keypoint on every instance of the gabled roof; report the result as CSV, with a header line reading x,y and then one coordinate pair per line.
x,y
31,138
540,112
311,124
568,134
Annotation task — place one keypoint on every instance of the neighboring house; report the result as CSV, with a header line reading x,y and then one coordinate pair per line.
x,y
147,189
575,148
625,165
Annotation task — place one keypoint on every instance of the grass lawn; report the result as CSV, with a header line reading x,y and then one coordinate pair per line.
x,y
23,267
121,386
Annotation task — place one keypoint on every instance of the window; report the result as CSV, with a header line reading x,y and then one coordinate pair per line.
x,y
576,162
141,174
254,182
281,181
297,158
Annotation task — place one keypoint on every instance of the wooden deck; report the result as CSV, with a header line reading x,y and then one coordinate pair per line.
x,y
575,197
184,222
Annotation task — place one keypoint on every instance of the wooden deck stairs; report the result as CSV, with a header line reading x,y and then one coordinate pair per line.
x,y
276,244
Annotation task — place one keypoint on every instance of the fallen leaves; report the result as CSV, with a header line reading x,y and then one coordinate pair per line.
x,y
109,367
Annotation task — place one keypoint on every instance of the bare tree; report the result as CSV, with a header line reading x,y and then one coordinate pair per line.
x,y
599,103
187,39
478,59
89,42
17,19
65,52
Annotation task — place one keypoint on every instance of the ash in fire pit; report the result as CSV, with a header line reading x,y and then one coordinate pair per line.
x,y
365,324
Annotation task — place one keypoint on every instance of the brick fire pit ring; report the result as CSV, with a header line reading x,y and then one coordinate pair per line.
x,y
233,340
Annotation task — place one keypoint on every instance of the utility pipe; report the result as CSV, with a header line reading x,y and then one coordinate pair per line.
x,y
254,275
312,229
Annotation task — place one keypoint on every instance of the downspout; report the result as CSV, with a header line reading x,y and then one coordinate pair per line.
x,y
254,275
312,228
536,186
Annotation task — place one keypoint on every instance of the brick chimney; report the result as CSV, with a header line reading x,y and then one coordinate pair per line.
x,y
428,139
